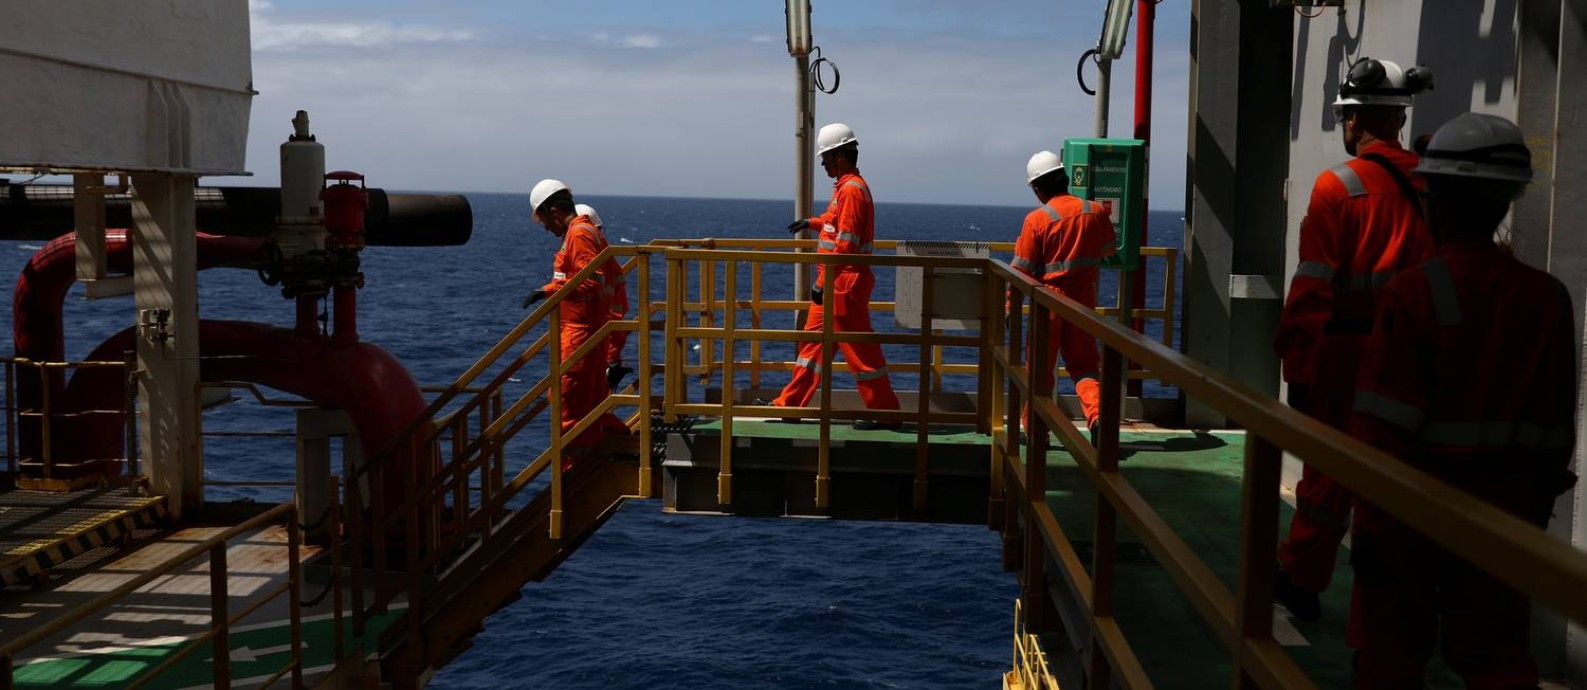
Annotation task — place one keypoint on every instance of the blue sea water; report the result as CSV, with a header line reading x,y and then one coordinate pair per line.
x,y
656,600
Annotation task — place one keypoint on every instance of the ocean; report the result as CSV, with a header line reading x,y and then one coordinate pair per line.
x,y
655,600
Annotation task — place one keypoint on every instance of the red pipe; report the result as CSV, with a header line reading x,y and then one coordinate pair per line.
x,y
377,392
346,303
37,328
1145,19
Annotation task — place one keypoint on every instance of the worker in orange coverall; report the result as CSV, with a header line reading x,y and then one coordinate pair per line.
x,y
1062,244
615,371
1363,225
585,309
1469,375
847,227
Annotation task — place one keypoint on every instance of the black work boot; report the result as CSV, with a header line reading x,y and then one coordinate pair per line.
x,y
1302,604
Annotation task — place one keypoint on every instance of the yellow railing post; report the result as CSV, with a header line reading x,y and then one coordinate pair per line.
x,y
1036,430
922,428
643,385
555,423
989,396
295,589
824,454
220,620
46,450
707,318
1104,541
1259,516
724,474
754,322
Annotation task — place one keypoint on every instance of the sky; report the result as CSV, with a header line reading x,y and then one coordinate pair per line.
x,y
695,98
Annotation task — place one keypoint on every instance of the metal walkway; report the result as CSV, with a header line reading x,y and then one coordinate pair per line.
x,y
40,530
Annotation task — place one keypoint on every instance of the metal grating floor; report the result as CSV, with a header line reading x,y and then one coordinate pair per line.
x,y
40,529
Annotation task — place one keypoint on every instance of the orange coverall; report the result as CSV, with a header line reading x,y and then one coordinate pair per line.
x,y
583,313
1470,375
847,227
1062,244
1360,229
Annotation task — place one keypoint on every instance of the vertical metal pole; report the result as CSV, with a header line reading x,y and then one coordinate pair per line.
x,y
1106,524
804,168
1145,19
923,427
131,418
1035,593
724,473
643,387
336,568
557,442
295,595
44,418
828,353
1104,90
1258,545
220,616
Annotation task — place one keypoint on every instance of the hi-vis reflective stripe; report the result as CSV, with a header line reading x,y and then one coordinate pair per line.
x,y
1315,269
865,248
1051,213
1404,415
1351,180
1446,301
558,275
860,186
1023,264
1071,264
1499,435
870,375
849,236
807,363
827,245
1085,206
1370,281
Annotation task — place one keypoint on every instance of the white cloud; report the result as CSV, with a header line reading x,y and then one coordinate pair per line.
x,y
761,38
270,34
942,118
642,41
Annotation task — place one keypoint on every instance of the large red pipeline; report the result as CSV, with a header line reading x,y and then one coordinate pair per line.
x,y
37,328
365,380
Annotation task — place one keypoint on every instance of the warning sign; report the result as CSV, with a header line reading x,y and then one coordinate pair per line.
x,y
1111,206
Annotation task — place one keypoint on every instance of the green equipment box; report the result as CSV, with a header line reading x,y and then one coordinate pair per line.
x,y
1112,172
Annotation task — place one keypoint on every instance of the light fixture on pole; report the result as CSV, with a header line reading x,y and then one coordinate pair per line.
x,y
798,13
1115,29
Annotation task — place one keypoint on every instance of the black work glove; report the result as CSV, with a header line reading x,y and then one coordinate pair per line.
x,y
799,226
1299,396
532,298
815,295
614,375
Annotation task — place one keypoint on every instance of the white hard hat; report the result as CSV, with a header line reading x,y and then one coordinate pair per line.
x,y
588,210
1478,146
1042,163
833,136
543,190
1381,82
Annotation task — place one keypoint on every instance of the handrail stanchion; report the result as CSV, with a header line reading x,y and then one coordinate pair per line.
x,y
416,603
670,344
220,618
707,319
1259,515
337,622
44,421
295,590
922,427
724,471
824,455
643,385
988,401
131,417
1104,541
11,419
555,423
754,322
1036,430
